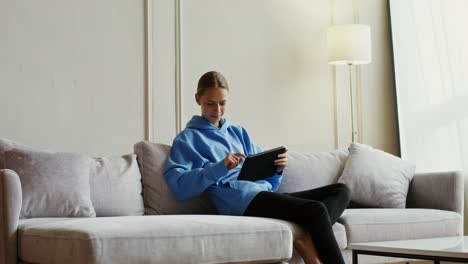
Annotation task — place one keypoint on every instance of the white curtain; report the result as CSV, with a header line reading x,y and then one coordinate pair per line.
x,y
430,44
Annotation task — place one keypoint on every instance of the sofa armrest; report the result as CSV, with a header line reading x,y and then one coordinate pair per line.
x,y
10,207
437,190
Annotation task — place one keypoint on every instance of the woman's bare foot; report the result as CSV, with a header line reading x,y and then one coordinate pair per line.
x,y
305,247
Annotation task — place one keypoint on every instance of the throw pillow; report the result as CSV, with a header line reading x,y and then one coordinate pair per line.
x,y
158,197
116,186
53,184
377,178
312,170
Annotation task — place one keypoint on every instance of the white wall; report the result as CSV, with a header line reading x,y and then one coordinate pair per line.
x,y
379,117
71,74
273,54
268,51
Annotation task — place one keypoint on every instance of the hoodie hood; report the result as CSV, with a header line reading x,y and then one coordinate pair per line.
x,y
201,123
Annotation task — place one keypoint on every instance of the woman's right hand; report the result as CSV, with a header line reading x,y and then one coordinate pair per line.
x,y
233,159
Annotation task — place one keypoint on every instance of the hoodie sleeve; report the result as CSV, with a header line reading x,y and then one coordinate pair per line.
x,y
188,174
273,182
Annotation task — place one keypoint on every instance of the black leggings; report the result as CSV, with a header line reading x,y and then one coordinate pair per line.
x,y
316,210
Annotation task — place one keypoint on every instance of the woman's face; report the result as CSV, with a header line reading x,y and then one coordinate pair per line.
x,y
213,104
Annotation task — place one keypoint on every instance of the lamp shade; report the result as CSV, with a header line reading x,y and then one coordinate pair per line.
x,y
349,44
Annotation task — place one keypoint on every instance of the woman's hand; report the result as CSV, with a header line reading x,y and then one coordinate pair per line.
x,y
233,159
282,161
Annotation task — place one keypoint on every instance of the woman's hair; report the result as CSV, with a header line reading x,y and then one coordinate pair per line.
x,y
211,79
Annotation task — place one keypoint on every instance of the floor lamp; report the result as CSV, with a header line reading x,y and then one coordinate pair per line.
x,y
349,44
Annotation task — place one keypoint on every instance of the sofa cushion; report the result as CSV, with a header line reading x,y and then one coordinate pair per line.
x,y
312,170
155,239
368,225
53,184
376,178
158,197
115,181
116,186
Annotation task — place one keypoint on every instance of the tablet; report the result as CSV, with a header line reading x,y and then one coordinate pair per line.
x,y
261,165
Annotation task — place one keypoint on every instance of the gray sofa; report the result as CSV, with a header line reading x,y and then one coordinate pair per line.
x,y
170,231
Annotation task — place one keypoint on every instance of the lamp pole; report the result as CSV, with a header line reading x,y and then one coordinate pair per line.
x,y
353,132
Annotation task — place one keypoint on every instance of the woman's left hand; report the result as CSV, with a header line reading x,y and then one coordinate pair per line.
x,y
282,161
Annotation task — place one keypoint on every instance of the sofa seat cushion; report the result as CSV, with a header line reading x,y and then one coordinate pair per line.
x,y
154,239
368,225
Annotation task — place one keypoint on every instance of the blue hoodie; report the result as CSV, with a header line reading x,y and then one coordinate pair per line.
x,y
196,165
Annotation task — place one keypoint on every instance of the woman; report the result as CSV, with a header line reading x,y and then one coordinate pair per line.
x,y
207,155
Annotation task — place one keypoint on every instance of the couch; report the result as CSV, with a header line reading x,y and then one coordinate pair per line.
x,y
136,219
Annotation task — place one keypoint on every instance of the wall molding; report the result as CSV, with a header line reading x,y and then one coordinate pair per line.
x,y
148,93
334,95
178,72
